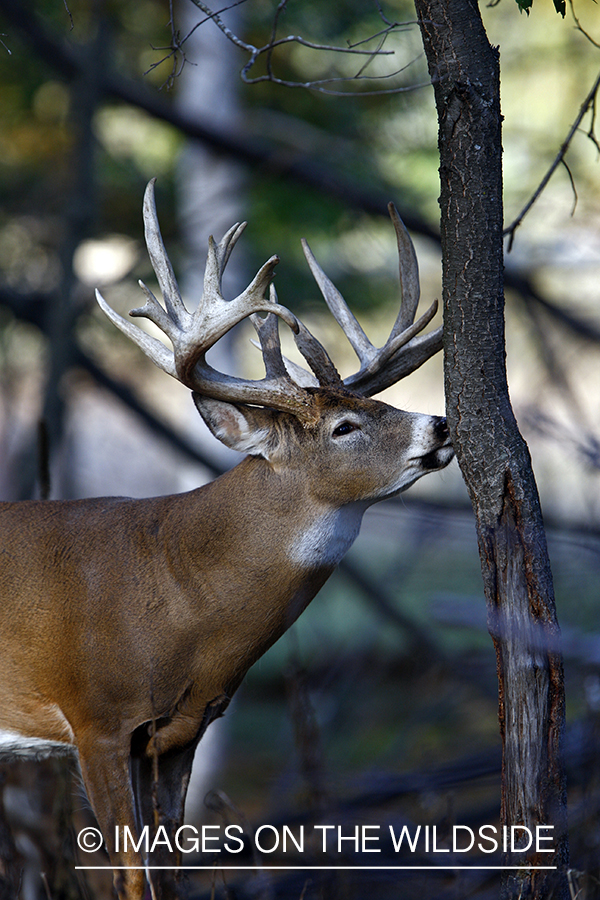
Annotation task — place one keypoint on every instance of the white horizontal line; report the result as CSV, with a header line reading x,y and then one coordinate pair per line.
x,y
308,868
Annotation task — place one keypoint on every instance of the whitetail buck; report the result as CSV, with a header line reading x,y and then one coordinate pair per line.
x,y
126,626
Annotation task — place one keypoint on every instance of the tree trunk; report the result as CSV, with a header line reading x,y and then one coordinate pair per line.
x,y
491,452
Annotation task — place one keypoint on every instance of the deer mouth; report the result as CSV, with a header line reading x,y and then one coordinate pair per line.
x,y
438,458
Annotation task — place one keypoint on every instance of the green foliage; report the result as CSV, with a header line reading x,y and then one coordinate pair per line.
x,y
559,5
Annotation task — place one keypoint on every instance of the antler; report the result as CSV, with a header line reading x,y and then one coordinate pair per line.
x,y
403,351
192,334
285,386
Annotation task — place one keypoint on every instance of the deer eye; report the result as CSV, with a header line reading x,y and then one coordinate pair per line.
x,y
344,428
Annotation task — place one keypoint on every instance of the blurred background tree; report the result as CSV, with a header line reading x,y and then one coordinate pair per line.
x,y
392,668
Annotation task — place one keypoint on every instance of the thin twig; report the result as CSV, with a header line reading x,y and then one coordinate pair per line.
x,y
591,134
373,55
587,103
580,27
395,26
70,15
573,188
215,16
280,8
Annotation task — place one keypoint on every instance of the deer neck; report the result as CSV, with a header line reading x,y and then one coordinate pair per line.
x,y
281,544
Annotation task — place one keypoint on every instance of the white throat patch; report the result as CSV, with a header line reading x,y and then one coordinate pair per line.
x,y
329,537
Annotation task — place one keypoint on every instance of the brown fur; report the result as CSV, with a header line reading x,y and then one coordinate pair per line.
x,y
127,625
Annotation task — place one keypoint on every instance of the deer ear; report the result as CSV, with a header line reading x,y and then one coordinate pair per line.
x,y
248,429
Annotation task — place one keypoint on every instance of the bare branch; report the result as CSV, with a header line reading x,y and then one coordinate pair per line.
x,y
580,27
588,103
175,52
318,85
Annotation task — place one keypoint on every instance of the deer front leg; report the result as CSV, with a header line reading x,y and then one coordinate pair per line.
x,y
105,767
160,787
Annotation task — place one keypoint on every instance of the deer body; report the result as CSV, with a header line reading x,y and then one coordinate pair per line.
x,y
201,614
126,626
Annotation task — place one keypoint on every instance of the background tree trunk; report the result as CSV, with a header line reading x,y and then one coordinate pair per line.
x,y
492,454
211,196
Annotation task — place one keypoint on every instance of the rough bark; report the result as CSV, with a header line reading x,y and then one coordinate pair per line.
x,y
491,452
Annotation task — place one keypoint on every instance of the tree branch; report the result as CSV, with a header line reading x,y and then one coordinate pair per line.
x,y
560,158
256,53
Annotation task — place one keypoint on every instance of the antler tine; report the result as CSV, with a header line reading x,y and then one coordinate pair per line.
x,y
409,274
160,261
277,365
360,343
153,348
215,316
318,359
403,351
413,355
218,257
153,310
268,335
323,372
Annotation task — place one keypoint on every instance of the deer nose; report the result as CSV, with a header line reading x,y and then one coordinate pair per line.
x,y
440,428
